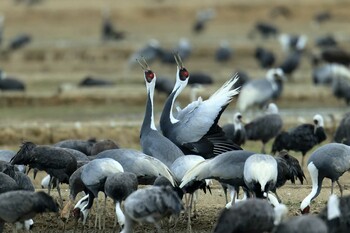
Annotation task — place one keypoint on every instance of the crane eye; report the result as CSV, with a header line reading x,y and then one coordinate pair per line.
x,y
149,75
183,73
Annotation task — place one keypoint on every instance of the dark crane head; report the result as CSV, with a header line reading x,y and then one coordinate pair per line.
x,y
23,155
45,203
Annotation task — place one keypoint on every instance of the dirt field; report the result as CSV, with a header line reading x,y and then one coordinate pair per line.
x,y
66,46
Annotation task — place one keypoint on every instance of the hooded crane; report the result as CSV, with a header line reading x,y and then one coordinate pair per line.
x,y
265,127
252,215
336,214
83,146
288,169
195,129
119,186
260,92
22,180
260,174
57,162
146,168
153,143
8,83
342,133
224,53
94,175
150,205
236,131
265,57
301,138
19,206
304,223
7,183
328,161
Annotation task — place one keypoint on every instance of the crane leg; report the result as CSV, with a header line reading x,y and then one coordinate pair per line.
x,y
50,183
59,191
332,186
189,226
104,212
340,188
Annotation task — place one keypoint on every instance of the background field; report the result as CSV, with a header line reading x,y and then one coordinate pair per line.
x,y
67,46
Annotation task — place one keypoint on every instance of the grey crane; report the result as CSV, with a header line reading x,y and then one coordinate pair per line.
x,y
150,205
83,146
20,205
195,129
336,214
183,48
108,30
323,74
328,161
57,162
342,133
301,138
202,18
341,83
290,42
266,127
303,223
235,131
257,93
265,57
252,215
119,186
260,174
153,143
227,168
93,176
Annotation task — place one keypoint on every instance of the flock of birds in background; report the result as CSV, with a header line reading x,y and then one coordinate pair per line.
x,y
189,148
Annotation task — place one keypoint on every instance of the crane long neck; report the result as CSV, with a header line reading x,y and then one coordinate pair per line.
x,y
167,118
148,121
316,185
119,213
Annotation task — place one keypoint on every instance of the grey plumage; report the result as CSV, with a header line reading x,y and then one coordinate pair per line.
x,y
81,145
151,51
22,180
235,131
252,215
18,206
57,162
102,145
7,155
150,205
119,186
336,214
224,52
342,133
7,183
328,161
304,223
265,127
146,168
257,93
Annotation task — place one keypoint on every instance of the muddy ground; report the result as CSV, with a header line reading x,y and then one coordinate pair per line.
x,y
66,46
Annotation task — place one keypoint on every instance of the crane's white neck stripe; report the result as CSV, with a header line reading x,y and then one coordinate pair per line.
x,y
151,95
314,179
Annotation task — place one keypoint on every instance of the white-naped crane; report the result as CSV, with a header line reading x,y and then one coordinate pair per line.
x,y
119,186
342,133
336,214
259,92
236,131
252,215
227,168
195,128
328,161
21,205
260,174
301,138
153,143
150,205
146,168
94,175
57,162
179,168
265,127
